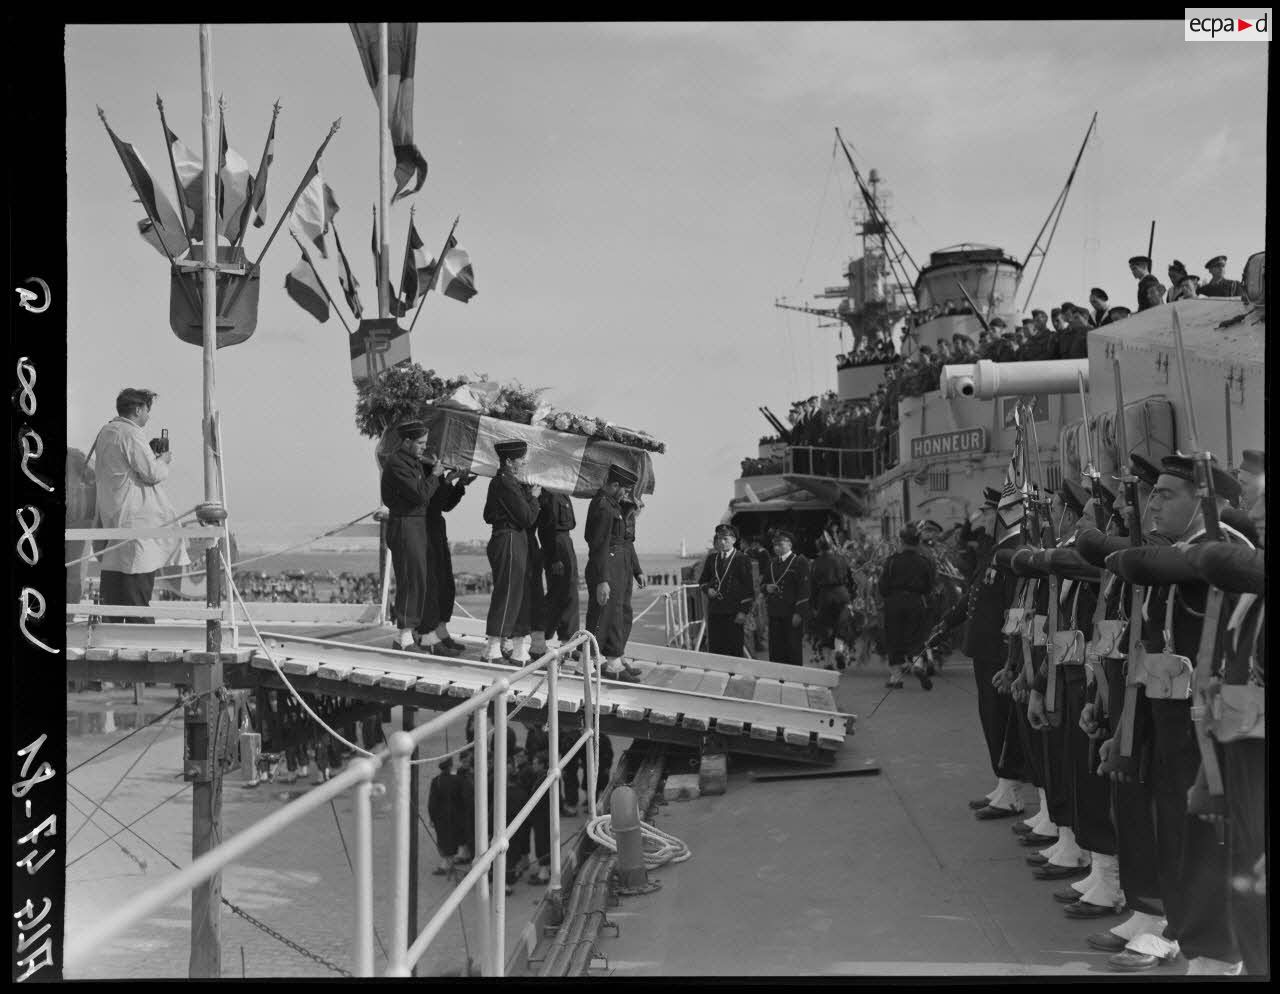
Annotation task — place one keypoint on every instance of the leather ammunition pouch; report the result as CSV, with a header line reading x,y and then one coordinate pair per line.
x,y
1068,647
1012,621
1108,640
1239,712
1166,676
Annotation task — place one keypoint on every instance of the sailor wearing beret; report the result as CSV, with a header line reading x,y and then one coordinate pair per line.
x,y
511,508
1150,290
1194,889
609,575
406,489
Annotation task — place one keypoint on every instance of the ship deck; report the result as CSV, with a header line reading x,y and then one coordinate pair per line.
x,y
886,874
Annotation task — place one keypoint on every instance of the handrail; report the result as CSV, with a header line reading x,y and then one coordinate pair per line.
x,y
815,460
403,953
81,944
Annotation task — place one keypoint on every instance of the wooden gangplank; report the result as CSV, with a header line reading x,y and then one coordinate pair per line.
x,y
676,703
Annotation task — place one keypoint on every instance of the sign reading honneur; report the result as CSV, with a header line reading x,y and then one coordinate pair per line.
x,y
949,443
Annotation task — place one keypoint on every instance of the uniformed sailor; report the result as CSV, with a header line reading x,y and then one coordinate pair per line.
x,y
1131,798
990,592
727,582
786,594
1192,865
829,584
906,581
1101,308
1240,728
406,489
453,486
609,564
1089,806
511,508
556,522
1218,285
1063,858
1150,290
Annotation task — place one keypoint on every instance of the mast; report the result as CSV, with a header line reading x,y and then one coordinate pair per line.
x,y
201,718
384,203
1058,206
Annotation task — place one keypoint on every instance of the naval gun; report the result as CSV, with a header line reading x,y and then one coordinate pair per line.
x,y
1224,341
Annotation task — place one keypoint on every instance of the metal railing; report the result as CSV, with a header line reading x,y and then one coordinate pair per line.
x,y
359,777
842,464
403,954
685,627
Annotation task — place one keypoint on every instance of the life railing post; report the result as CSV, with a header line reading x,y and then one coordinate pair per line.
x,y
363,939
553,768
402,746
591,722
481,766
499,871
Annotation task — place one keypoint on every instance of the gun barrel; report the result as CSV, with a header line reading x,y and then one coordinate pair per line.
x,y
986,379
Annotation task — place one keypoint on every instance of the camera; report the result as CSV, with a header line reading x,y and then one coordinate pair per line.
x,y
160,445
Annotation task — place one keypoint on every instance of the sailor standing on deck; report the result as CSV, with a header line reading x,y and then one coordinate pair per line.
x,y
441,589
829,583
511,508
726,580
609,565
1150,290
1132,806
1086,823
1192,865
406,491
786,591
556,522
990,591
906,580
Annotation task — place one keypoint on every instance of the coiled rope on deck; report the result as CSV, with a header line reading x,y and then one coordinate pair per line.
x,y
660,848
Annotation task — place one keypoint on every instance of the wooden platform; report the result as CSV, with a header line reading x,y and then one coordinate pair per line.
x,y
759,708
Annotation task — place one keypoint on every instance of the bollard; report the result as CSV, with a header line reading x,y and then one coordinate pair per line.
x,y
632,877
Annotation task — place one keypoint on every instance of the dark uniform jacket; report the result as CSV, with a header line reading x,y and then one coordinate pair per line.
x,y
730,576
1037,346
792,577
829,581
445,499
1220,288
605,532
906,581
556,522
509,505
406,489
990,593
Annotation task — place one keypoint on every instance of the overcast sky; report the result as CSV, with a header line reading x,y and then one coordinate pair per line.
x,y
634,197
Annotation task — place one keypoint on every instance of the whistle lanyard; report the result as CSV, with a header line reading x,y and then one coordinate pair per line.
x,y
720,577
775,580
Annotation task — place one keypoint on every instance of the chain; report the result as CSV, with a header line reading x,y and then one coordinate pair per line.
x,y
263,926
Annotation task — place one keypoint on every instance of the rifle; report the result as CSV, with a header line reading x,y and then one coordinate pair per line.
x,y
1122,760
1051,660
1210,800
1091,469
